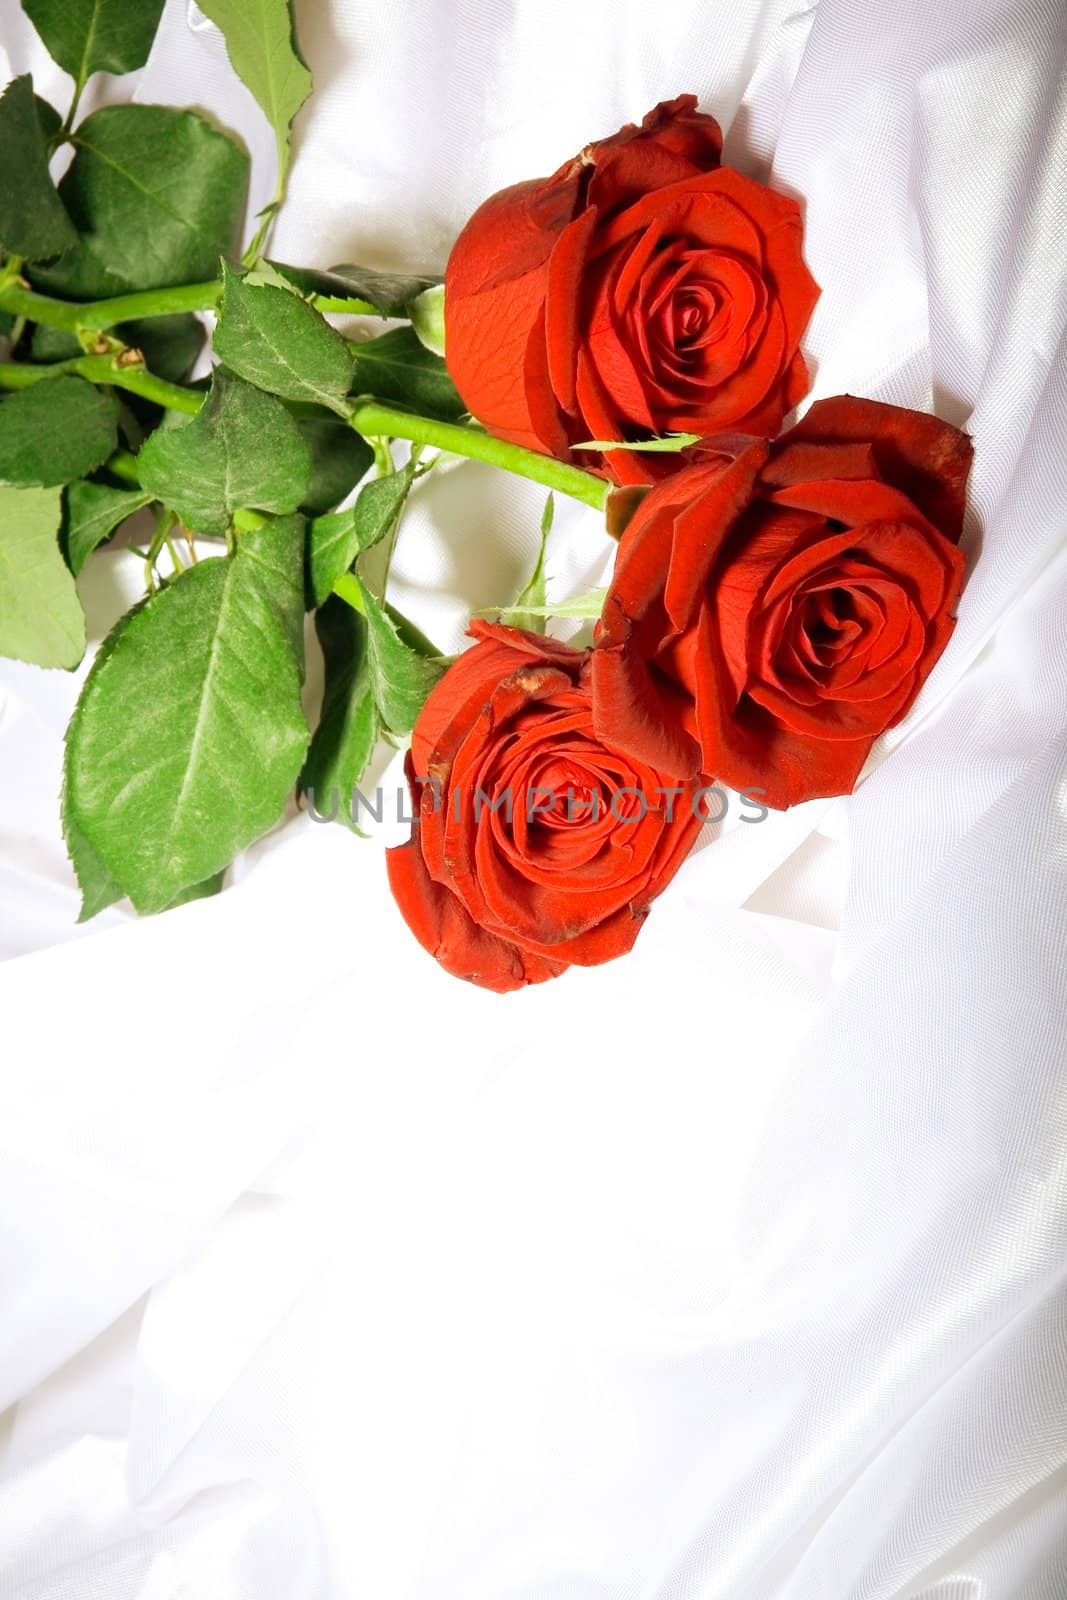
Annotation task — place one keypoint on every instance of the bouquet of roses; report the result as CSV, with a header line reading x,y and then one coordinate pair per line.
x,y
627,332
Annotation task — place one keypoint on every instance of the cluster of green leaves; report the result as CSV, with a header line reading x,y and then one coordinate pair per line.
x,y
189,735
377,674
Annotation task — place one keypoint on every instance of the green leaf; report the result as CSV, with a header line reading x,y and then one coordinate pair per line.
x,y
99,888
396,367
41,619
665,443
276,565
55,430
427,313
87,36
415,639
582,607
263,272
188,734
199,891
335,541
533,592
157,196
264,55
33,222
274,339
93,513
349,726
389,292
242,449
400,678
49,118
340,457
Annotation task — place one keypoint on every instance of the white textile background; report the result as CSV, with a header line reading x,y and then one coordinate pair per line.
x,y
732,1271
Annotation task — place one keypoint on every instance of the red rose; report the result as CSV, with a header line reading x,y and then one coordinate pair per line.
x,y
591,839
642,290
776,607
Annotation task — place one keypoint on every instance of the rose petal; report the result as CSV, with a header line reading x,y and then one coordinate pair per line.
x,y
801,462
794,285
923,457
675,141
529,680
641,714
511,235
469,682
613,365
832,719
563,295
735,400
925,563
625,466
761,542
853,502
701,527
720,208
442,926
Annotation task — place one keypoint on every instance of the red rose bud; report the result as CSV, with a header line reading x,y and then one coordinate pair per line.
x,y
642,290
536,846
776,607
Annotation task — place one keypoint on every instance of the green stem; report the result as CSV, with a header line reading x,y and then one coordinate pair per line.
x,y
267,215
108,370
372,419
123,466
164,518
14,375
172,552
95,316
68,121
269,212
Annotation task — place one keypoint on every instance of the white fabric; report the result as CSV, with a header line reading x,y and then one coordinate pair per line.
x,y
732,1271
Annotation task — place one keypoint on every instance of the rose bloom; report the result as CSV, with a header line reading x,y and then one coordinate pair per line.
x,y
535,846
776,607
643,289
